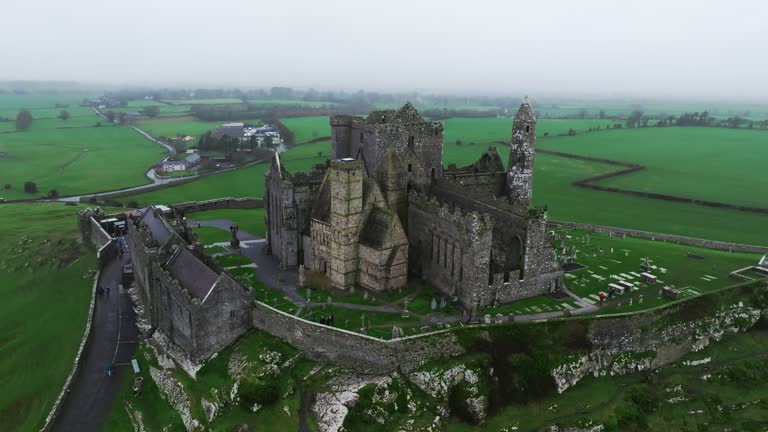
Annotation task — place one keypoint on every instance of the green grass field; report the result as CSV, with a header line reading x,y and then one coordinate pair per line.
x,y
715,164
245,182
74,161
46,277
187,125
223,101
290,102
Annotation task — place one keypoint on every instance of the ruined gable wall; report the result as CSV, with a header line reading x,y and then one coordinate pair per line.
x,y
321,247
281,219
450,248
175,309
229,307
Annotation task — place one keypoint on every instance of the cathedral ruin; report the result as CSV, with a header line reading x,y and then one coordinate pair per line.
x,y
385,209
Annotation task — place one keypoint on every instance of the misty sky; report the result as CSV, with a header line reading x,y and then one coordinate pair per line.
x,y
670,48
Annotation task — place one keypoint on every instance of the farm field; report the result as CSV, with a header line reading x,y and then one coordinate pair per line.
x,y
46,276
480,130
245,182
74,161
572,108
290,102
715,164
187,125
203,101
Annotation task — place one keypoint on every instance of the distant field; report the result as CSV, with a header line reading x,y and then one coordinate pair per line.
x,y
713,164
421,106
44,307
624,108
171,126
245,182
29,101
481,130
290,102
163,110
203,101
74,161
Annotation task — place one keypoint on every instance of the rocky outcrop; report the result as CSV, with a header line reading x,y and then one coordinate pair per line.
x,y
622,346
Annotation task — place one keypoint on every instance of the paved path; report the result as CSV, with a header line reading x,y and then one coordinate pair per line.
x,y
114,341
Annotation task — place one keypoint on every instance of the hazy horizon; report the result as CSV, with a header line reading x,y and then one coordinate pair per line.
x,y
683,50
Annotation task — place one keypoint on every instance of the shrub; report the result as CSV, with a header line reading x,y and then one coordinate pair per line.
x,y
256,391
30,187
53,193
7,186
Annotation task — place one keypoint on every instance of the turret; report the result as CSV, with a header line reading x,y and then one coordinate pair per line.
x,y
521,152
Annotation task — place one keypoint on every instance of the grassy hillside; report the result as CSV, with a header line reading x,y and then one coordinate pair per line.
x,y
45,283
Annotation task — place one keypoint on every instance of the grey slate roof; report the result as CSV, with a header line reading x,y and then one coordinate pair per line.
x,y
154,221
192,274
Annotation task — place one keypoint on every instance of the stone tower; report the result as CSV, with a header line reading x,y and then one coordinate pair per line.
x,y
346,177
520,169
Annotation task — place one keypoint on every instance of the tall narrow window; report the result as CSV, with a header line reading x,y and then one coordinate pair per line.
x,y
411,142
527,129
432,173
410,167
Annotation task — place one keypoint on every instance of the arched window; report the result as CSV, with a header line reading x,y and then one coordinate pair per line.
x,y
432,173
410,167
527,128
411,143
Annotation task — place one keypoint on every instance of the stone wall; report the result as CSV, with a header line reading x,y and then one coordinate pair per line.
x,y
359,352
451,248
221,203
711,244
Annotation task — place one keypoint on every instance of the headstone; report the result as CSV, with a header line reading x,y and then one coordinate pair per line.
x,y
487,319
499,318
365,296
302,278
434,304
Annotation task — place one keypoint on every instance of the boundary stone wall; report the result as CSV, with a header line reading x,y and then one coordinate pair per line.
x,y
106,252
221,203
354,350
711,244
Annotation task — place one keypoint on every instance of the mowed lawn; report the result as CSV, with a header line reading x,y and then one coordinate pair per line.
x,y
74,161
250,220
45,282
715,164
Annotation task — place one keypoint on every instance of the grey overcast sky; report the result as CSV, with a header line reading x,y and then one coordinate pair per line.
x,y
655,48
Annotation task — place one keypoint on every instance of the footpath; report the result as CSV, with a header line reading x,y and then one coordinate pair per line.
x,y
113,342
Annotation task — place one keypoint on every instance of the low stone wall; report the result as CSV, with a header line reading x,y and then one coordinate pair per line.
x,y
711,244
222,203
102,257
359,352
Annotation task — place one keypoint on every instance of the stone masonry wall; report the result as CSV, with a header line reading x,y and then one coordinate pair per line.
x,y
221,203
356,351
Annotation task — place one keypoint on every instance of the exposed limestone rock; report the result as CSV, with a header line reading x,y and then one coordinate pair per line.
x,y
331,408
174,393
633,352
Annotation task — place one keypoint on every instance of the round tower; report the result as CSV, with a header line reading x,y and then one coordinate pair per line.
x,y
521,153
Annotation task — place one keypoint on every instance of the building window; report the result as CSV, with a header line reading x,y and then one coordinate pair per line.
x,y
410,143
361,138
432,173
232,314
506,276
527,129
410,167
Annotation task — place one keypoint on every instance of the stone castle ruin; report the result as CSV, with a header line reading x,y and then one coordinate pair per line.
x,y
385,208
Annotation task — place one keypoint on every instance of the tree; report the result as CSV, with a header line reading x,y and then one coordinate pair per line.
x,y
64,115
459,142
151,111
30,187
23,120
53,193
7,186
634,118
110,115
268,142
